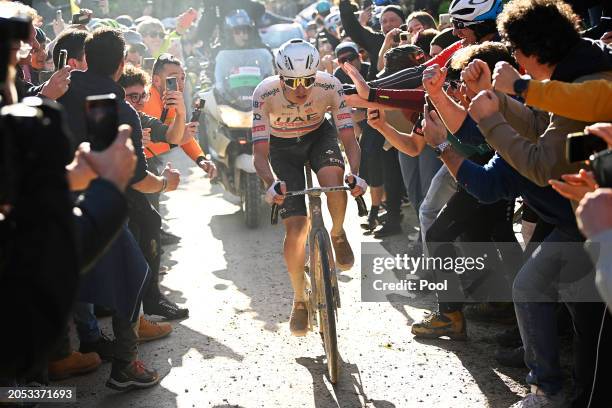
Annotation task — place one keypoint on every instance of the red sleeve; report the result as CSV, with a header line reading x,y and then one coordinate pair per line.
x,y
412,99
442,58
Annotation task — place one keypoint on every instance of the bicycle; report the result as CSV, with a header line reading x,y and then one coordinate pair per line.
x,y
322,291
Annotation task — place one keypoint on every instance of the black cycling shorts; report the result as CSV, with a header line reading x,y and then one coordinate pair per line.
x,y
289,155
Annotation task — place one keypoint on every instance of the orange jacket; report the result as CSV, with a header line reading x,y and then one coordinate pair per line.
x,y
154,107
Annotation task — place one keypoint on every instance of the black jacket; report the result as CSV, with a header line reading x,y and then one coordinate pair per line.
x,y
86,83
368,40
44,244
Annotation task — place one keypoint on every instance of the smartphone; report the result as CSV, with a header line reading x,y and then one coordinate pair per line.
x,y
403,37
83,19
601,164
444,19
63,57
580,146
148,63
171,84
58,15
195,115
396,38
102,120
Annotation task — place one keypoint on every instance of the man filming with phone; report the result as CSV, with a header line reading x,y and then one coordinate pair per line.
x,y
167,104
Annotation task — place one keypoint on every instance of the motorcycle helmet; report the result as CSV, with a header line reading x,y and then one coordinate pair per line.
x,y
468,11
296,59
332,22
238,18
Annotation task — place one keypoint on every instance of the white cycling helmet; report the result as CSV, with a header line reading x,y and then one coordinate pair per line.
x,y
296,59
332,21
475,11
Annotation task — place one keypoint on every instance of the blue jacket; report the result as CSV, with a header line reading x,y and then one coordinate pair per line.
x,y
498,180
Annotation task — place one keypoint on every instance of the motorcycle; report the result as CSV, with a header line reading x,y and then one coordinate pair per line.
x,y
226,124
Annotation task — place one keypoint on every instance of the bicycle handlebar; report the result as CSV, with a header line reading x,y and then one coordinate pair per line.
x,y
361,205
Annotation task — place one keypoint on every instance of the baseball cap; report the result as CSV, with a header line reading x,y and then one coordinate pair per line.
x,y
347,47
323,7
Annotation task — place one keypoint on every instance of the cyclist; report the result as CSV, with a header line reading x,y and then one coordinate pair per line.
x,y
289,129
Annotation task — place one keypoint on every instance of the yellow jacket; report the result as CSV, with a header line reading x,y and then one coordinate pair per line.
x,y
589,101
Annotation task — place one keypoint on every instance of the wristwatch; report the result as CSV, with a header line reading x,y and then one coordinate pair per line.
x,y
520,86
439,149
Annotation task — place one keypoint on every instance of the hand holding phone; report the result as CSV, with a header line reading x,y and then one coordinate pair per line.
x,y
580,146
63,57
102,120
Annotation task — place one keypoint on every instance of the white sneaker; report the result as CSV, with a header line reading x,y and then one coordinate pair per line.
x,y
538,399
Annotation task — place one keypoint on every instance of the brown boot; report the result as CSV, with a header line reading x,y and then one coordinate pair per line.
x,y
76,363
344,254
148,330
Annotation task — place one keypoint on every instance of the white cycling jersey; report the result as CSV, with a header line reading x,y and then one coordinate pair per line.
x,y
274,115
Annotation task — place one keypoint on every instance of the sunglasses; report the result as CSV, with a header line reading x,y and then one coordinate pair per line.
x,y
157,34
137,98
458,24
294,83
349,58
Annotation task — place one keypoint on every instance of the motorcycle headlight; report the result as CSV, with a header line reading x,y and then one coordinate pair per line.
x,y
234,118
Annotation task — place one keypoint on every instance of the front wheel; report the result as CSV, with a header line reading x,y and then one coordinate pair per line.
x,y
327,306
251,199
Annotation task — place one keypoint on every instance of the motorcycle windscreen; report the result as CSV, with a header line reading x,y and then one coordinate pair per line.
x,y
238,72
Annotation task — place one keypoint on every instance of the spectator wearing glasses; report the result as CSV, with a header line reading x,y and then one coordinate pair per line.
x,y
158,41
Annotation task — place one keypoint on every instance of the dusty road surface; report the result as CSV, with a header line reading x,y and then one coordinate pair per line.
x,y
235,349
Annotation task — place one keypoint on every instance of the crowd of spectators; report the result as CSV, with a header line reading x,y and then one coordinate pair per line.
x,y
467,123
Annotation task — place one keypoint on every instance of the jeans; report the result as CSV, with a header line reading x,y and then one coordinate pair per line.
x,y
477,222
418,173
441,189
86,322
537,319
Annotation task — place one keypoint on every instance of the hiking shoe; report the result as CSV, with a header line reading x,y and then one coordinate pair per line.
x,y
148,330
130,376
509,338
439,324
167,238
164,308
511,358
389,228
490,312
103,347
344,254
372,221
76,363
538,399
298,322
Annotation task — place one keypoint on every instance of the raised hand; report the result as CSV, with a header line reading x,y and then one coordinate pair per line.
x,y
504,76
363,89
485,104
173,176
433,79
477,76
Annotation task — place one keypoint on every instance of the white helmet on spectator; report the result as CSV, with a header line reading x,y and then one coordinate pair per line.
x,y
296,59
332,21
471,11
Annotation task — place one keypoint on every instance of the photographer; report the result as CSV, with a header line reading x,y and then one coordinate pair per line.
x,y
48,247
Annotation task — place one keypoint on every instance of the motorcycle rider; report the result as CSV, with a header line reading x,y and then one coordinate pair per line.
x,y
289,129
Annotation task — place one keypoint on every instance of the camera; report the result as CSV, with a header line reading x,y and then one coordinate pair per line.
x,y
601,164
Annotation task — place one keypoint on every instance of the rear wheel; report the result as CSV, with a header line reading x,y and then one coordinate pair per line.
x,y
327,311
251,199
